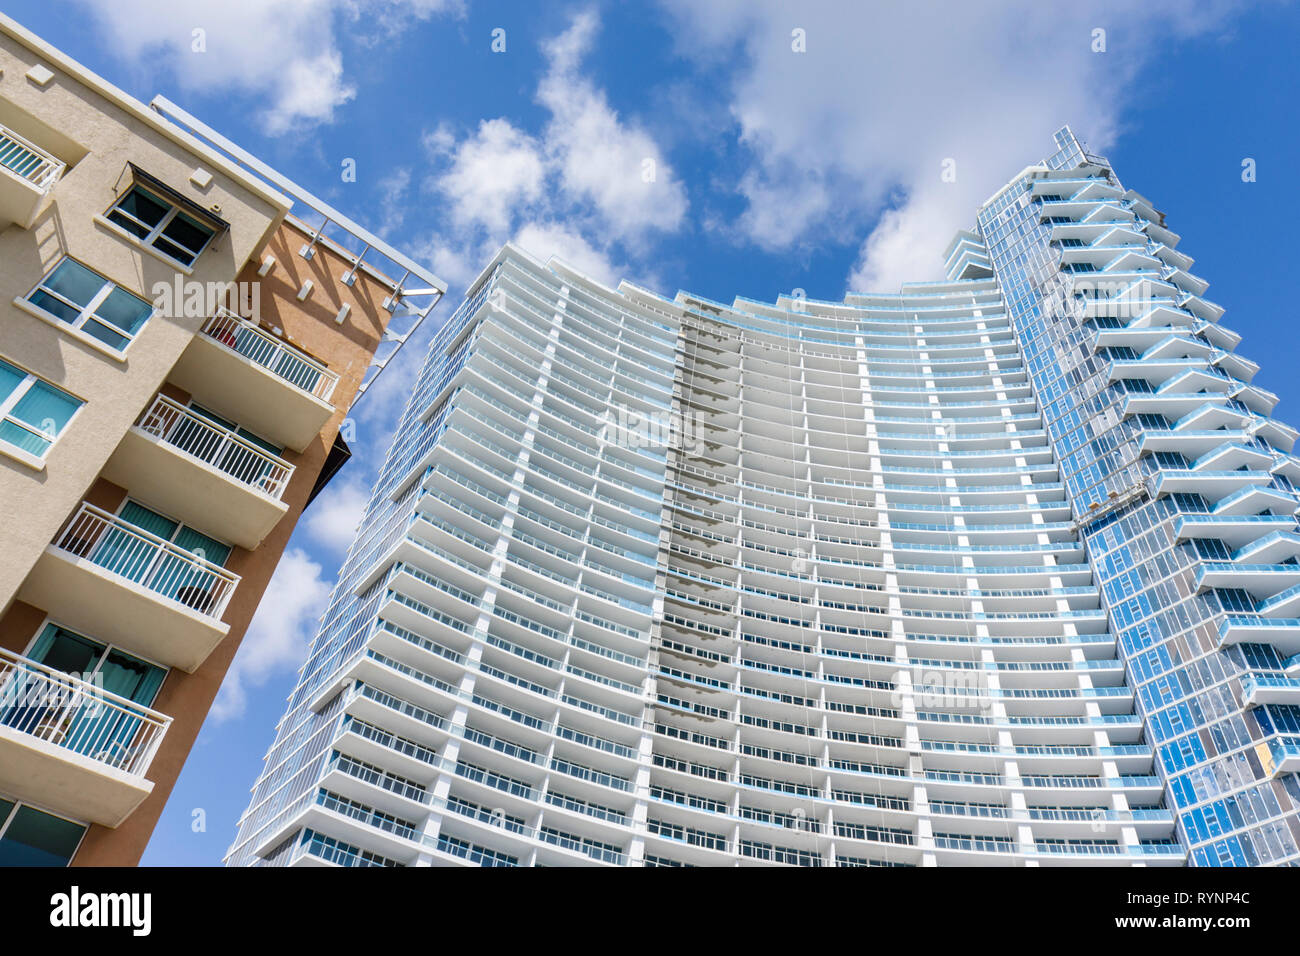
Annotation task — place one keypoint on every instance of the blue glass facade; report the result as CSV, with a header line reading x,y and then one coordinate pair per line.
x,y
997,570
1181,483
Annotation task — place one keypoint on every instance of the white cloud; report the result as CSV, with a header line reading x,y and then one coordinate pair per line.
x,y
545,239
860,124
614,165
589,180
283,52
280,633
492,173
393,200
332,518
456,257
312,89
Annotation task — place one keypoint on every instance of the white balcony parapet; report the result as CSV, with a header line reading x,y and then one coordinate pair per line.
x,y
294,366
148,561
78,716
28,161
222,448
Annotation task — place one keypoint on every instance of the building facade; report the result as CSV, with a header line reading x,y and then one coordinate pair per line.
x,y
177,354
997,570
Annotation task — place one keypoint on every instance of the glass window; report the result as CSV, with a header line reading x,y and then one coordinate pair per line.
x,y
159,223
126,676
30,837
32,412
87,301
209,549
238,429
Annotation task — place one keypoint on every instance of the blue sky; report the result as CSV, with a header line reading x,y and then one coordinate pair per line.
x,y
772,170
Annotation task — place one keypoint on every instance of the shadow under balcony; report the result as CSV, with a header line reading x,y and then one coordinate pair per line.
x,y
127,586
70,746
244,373
27,173
206,475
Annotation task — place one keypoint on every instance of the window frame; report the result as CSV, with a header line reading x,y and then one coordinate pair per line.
x,y
150,239
6,822
7,405
87,313
180,526
108,647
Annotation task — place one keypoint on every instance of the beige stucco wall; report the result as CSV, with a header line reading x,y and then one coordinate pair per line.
x,y
101,137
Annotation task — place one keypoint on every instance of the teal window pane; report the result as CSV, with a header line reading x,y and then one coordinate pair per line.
x,y
137,229
211,416
150,521
124,310
67,652
56,307
34,838
195,543
105,334
74,282
261,443
20,437
183,239
132,678
45,408
144,207
10,378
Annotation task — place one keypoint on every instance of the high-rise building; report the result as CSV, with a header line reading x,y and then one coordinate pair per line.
x,y
177,354
996,570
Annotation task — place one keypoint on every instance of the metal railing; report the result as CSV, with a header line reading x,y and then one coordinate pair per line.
x,y
28,161
294,366
147,560
219,447
77,715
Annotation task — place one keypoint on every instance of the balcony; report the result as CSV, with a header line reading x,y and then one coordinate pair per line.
x,y
119,582
1235,531
1261,580
246,374
206,475
1279,755
27,173
72,747
1283,633
1253,500
1214,486
1259,689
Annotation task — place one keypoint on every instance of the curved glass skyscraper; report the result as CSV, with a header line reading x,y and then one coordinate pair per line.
x,y
996,570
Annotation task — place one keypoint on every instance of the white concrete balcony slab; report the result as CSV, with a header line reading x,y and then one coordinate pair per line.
x,y
1279,755
125,585
1260,689
1261,580
70,746
206,475
1214,486
1185,441
1274,548
244,373
1233,530
1173,405
1230,456
27,174
1282,633
1257,498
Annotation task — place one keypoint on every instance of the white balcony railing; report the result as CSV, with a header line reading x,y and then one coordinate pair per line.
x,y
78,715
149,561
219,447
295,367
28,161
